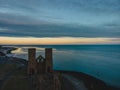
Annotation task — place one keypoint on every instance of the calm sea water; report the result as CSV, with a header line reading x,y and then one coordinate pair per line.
x,y
100,61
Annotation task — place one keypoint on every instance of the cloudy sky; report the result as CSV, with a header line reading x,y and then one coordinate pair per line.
x,y
59,21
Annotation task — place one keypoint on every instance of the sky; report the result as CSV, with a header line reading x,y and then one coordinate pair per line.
x,y
60,22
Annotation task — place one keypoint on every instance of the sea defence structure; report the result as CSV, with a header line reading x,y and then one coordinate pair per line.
x,y
45,78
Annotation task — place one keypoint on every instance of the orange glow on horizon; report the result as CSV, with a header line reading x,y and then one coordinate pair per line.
x,y
57,40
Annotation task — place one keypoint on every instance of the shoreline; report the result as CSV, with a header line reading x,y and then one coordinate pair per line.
x,y
7,49
90,82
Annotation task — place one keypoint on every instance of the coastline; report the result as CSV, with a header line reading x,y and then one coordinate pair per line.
x,y
7,49
90,82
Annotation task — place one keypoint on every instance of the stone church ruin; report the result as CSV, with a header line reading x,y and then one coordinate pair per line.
x,y
41,71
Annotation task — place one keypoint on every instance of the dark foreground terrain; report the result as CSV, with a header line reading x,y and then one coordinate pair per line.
x,y
13,76
90,82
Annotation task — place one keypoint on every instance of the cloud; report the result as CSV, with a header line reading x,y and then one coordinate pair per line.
x,y
60,18
4,30
55,30
112,25
95,11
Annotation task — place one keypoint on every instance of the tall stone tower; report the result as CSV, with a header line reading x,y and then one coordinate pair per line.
x,y
48,60
32,64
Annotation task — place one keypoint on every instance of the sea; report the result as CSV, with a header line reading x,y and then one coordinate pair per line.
x,y
100,61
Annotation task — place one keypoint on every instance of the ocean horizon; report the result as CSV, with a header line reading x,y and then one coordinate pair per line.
x,y
100,61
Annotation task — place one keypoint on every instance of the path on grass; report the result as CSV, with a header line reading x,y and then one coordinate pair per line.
x,y
78,85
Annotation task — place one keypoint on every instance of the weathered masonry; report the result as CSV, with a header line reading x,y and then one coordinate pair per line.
x,y
40,64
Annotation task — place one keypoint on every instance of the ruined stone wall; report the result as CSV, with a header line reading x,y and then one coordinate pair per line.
x,y
41,67
48,60
49,82
44,78
32,64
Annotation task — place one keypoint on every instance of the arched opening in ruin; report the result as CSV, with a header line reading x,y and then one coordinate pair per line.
x,y
32,71
48,69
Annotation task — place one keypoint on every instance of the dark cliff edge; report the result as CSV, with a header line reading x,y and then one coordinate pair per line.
x,y
90,82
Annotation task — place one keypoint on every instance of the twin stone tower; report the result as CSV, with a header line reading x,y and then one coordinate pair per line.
x,y
40,64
